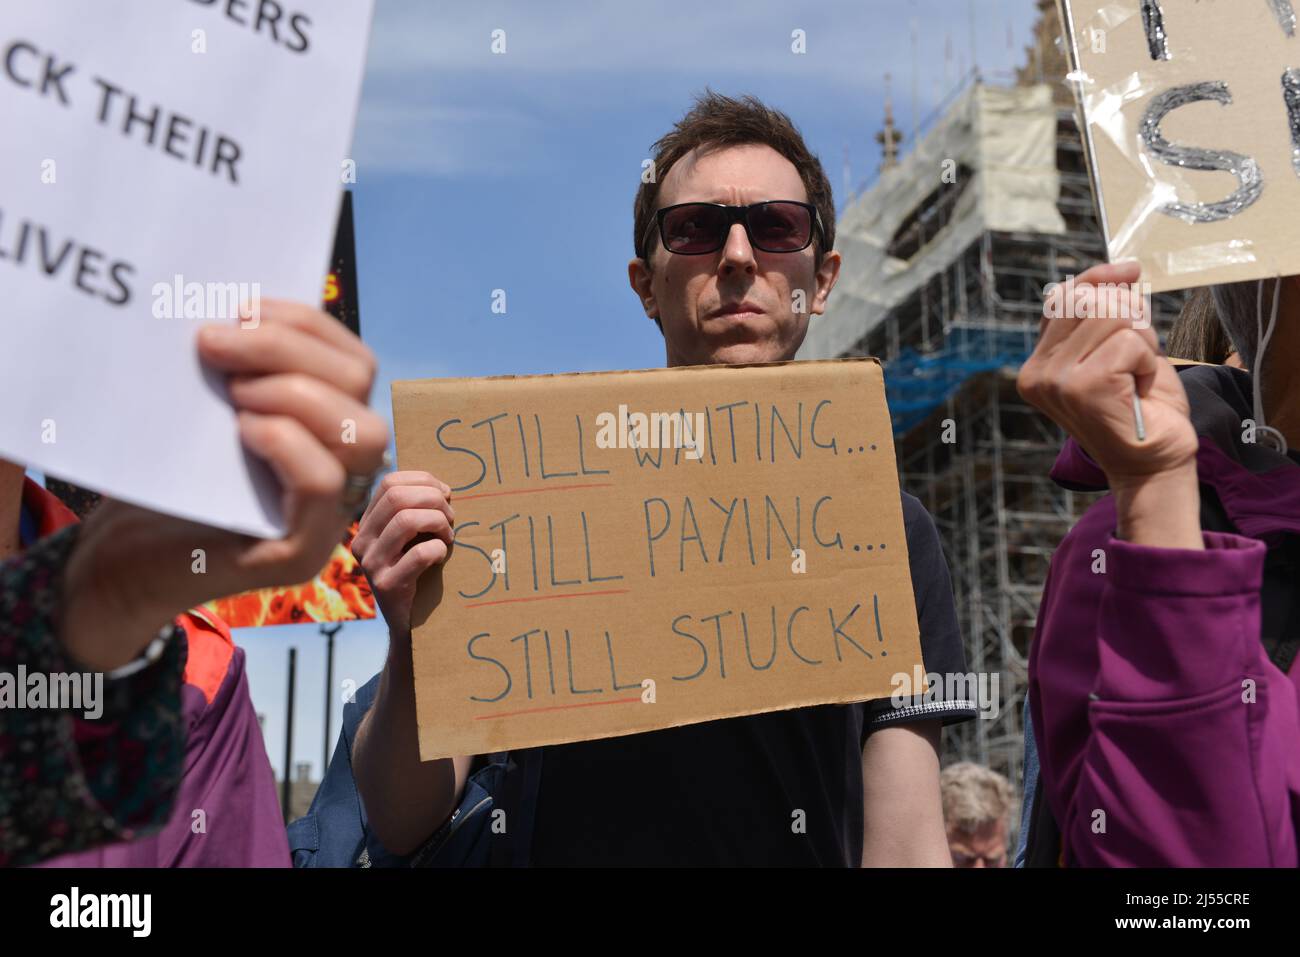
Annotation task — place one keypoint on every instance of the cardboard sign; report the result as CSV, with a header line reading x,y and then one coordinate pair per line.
x,y
175,160
640,550
1192,111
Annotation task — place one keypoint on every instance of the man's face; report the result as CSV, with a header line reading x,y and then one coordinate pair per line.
x,y
986,846
738,304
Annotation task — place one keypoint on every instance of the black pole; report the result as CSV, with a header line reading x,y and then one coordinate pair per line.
x,y
329,634
288,735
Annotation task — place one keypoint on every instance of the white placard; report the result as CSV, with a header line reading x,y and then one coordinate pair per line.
x,y
149,145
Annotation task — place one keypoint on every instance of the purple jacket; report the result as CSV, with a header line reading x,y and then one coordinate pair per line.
x,y
226,812
1165,734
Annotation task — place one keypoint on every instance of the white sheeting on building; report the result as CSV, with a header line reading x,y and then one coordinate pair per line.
x,y
1007,137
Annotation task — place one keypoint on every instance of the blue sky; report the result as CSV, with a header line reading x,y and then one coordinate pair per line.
x,y
479,171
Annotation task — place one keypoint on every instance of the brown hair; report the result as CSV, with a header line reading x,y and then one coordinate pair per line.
x,y
717,121
1198,333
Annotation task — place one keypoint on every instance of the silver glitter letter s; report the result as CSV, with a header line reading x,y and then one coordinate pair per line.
x,y
1291,94
1153,21
1243,167
1285,15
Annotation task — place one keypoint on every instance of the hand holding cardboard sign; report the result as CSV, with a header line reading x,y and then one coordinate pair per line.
x,y
635,551
1192,126
407,529
301,384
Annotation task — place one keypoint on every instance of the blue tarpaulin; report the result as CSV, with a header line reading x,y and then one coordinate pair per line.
x,y
916,384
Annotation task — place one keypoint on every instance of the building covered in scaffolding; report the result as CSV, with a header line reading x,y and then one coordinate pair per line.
x,y
946,259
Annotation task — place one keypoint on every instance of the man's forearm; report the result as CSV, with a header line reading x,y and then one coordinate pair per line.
x,y
903,812
406,799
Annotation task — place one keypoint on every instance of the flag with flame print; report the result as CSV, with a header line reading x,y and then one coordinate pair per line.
x,y
339,593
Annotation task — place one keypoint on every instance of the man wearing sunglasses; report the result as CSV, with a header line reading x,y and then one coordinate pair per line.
x,y
771,280
733,255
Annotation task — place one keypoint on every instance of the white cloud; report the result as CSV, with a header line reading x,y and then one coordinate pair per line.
x,y
422,136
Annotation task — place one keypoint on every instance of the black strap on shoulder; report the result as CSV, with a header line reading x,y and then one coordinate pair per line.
x,y
1279,602
518,798
1043,846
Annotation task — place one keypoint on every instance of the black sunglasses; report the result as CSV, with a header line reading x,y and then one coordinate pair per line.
x,y
777,226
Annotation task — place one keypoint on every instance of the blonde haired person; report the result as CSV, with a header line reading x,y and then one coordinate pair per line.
x,y
976,808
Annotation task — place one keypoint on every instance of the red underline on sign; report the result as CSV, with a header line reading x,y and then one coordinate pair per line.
x,y
580,594
533,491
558,707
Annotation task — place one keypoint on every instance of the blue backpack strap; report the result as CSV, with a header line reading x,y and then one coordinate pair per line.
x,y
333,831
518,798
493,825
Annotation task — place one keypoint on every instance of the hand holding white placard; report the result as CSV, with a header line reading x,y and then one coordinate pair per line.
x,y
175,160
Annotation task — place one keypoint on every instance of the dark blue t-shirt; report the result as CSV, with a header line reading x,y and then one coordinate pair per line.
x,y
730,792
